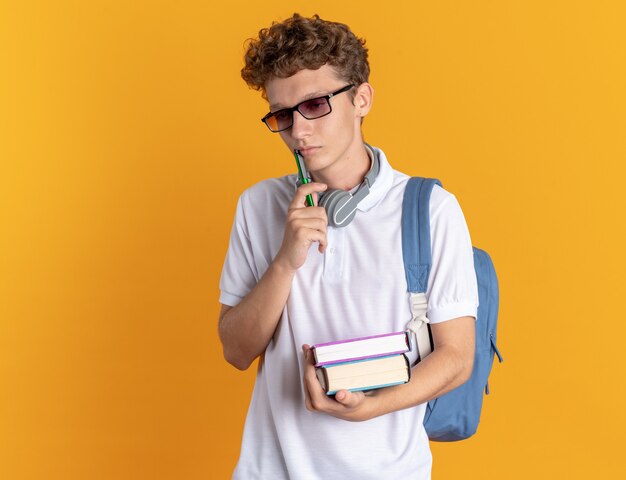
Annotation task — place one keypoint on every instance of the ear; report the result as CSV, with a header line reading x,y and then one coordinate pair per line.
x,y
363,99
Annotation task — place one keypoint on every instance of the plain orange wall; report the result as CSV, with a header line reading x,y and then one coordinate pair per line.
x,y
126,136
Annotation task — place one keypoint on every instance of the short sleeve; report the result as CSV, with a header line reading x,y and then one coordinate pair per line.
x,y
452,288
238,273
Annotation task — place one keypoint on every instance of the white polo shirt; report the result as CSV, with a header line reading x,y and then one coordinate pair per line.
x,y
356,288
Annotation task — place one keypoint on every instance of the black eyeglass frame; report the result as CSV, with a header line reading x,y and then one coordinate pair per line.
x,y
297,108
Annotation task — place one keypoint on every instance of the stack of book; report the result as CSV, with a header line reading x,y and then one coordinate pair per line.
x,y
363,363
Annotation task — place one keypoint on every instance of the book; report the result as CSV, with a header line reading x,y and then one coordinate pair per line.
x,y
361,348
367,374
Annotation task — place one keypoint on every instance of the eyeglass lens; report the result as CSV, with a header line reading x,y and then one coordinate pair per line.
x,y
309,109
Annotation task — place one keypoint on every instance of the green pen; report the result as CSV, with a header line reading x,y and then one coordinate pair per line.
x,y
302,173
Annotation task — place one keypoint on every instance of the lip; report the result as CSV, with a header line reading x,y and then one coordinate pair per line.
x,y
306,151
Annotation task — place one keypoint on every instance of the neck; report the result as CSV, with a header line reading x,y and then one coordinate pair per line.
x,y
348,172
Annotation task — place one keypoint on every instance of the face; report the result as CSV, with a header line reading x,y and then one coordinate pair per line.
x,y
329,144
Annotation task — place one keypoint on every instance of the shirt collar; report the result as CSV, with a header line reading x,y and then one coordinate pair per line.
x,y
381,185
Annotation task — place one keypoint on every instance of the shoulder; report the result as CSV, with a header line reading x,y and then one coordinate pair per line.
x,y
269,194
440,198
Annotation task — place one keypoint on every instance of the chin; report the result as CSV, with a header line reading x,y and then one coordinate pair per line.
x,y
319,164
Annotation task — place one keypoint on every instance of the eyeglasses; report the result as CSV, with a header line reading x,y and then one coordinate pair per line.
x,y
309,109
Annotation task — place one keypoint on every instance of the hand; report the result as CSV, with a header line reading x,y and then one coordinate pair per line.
x,y
347,405
304,226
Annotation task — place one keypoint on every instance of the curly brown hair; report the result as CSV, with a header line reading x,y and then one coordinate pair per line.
x,y
300,43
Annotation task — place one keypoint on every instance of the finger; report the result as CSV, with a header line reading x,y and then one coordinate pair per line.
x,y
317,398
307,222
309,363
307,396
308,232
299,199
308,228
349,399
306,237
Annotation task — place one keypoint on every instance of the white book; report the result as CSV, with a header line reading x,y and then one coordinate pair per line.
x,y
361,348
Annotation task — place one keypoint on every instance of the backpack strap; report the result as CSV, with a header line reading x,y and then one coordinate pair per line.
x,y
416,254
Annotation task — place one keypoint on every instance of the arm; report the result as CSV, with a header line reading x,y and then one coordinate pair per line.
x,y
246,329
448,366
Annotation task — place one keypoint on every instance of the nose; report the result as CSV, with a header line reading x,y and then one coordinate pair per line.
x,y
301,127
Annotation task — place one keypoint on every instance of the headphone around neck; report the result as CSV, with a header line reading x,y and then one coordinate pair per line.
x,y
341,205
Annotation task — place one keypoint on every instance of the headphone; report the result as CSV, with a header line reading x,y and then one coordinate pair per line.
x,y
341,205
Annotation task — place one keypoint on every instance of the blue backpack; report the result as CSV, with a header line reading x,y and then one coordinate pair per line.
x,y
455,415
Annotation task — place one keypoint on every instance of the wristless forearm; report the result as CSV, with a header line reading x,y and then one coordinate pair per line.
x,y
246,329
443,370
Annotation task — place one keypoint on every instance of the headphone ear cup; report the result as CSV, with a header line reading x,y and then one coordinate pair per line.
x,y
335,202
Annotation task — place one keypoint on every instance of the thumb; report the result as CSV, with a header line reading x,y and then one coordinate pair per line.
x,y
348,398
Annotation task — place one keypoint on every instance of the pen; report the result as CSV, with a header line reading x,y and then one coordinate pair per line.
x,y
301,173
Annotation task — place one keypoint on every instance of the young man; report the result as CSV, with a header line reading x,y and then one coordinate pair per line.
x,y
290,279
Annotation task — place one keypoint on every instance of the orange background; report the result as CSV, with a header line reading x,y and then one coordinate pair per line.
x,y
126,136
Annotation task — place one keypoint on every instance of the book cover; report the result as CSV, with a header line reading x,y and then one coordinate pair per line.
x,y
361,348
367,374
